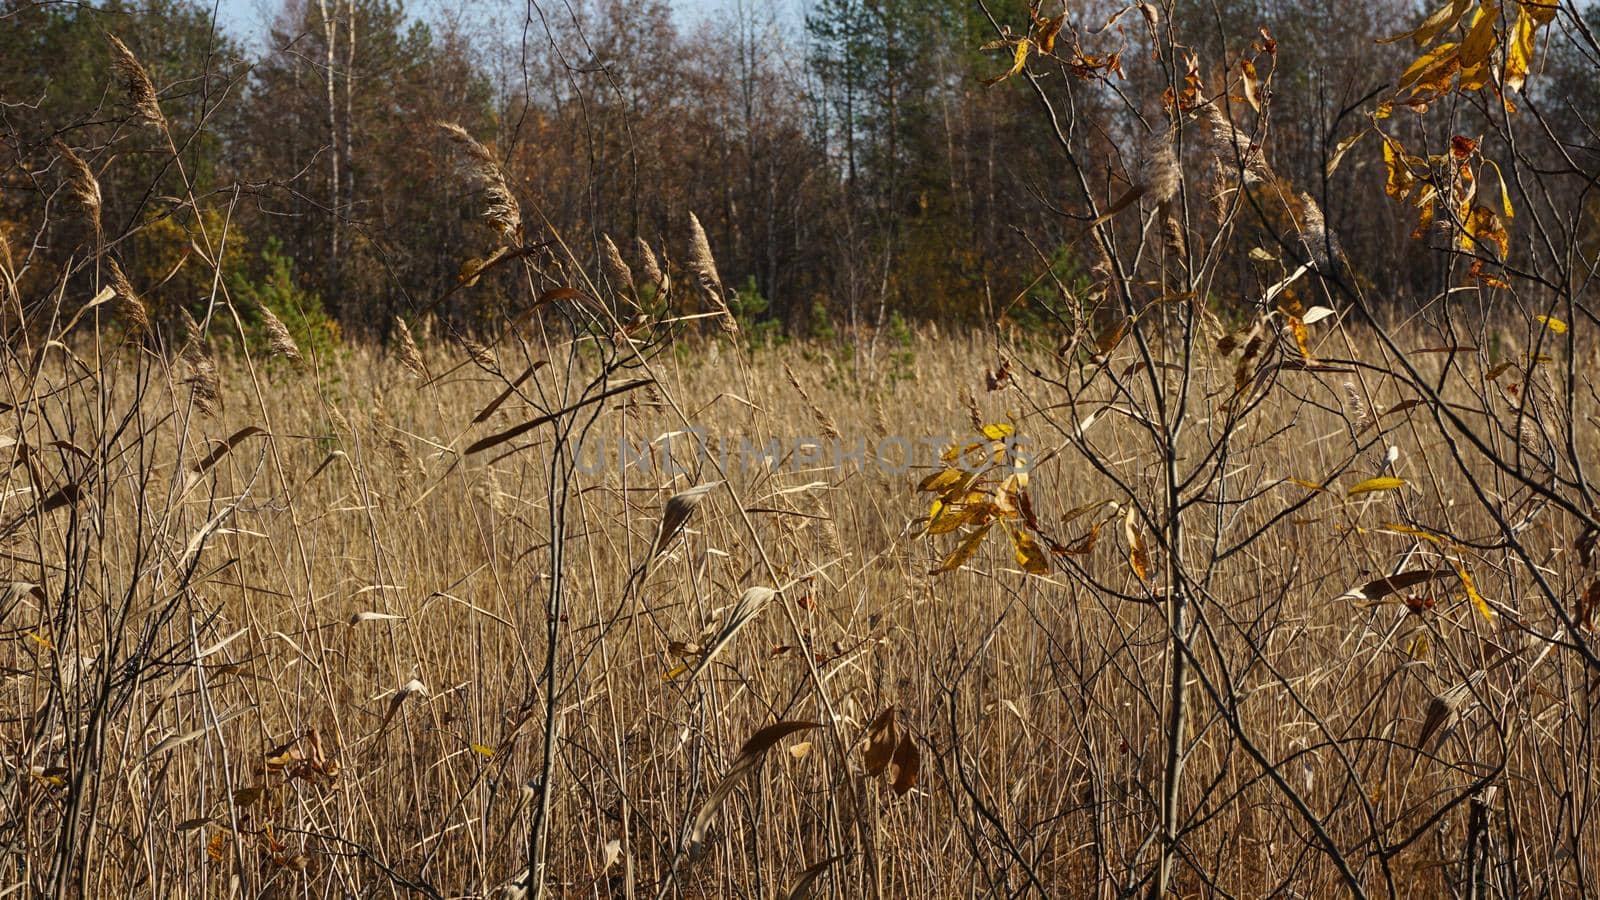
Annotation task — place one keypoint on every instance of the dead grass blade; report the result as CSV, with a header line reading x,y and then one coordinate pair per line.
x,y
407,690
749,760
178,739
749,606
505,395
223,449
494,440
799,887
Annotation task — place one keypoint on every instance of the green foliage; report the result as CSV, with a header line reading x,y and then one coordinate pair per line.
x,y
300,310
55,74
902,358
819,325
751,310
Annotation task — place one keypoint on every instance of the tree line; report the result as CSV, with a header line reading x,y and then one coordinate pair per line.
x,y
865,164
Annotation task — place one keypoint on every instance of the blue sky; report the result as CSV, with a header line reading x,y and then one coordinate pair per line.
x,y
248,19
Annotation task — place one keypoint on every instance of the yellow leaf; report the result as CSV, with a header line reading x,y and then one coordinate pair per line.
x,y
1398,528
1443,19
1483,225
481,750
1554,324
1505,195
1472,592
1029,555
1400,180
1480,40
1474,78
940,480
1302,338
1308,485
1048,30
1519,51
1431,68
1541,11
1381,483
1019,58
998,432
953,517
964,552
1424,219
1138,556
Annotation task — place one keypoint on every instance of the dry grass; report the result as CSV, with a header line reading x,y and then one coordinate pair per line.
x,y
338,627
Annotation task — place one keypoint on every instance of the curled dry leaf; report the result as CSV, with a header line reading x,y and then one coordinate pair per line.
x,y
676,513
303,757
1443,709
749,760
1587,604
1383,587
1138,555
904,765
505,395
613,853
880,742
410,688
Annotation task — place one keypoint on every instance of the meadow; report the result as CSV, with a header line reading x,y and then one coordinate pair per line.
x,y
472,536
285,634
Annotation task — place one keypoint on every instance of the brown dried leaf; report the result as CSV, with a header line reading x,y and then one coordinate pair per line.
x,y
904,766
880,742
1383,587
